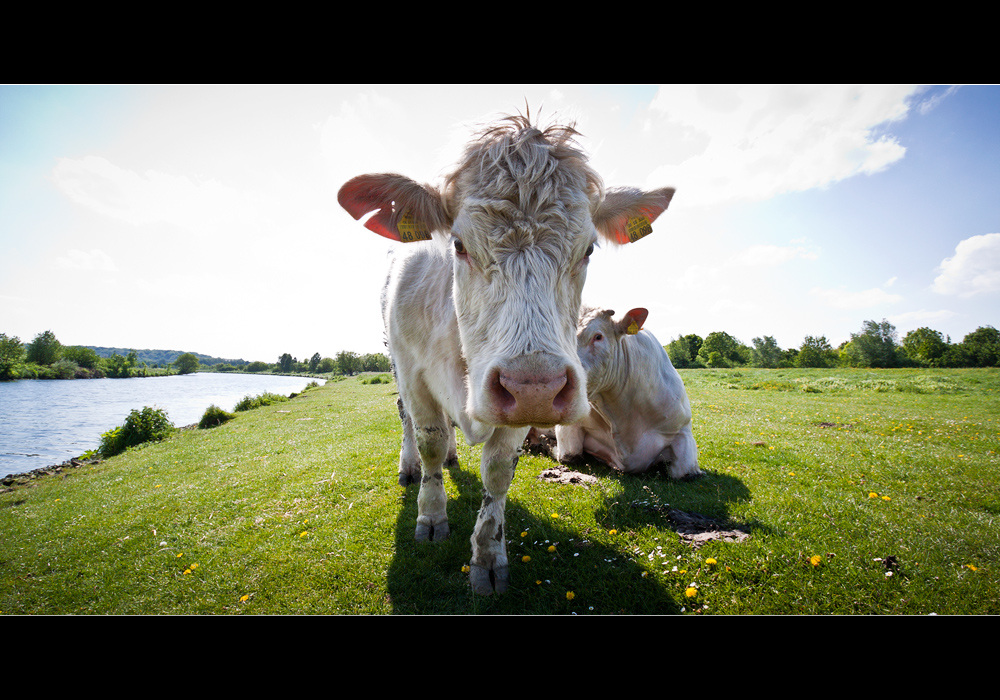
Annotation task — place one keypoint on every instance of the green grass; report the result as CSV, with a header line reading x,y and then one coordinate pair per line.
x,y
294,508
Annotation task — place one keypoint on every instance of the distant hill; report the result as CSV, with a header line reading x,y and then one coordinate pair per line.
x,y
164,357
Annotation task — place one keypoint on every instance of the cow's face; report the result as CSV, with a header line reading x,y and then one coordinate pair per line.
x,y
599,345
518,279
522,212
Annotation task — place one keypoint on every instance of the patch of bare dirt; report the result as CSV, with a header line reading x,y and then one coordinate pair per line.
x,y
561,475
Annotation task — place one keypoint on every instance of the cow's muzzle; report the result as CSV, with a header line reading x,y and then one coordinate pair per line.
x,y
536,389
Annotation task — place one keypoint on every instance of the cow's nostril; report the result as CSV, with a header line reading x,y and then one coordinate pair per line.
x,y
504,399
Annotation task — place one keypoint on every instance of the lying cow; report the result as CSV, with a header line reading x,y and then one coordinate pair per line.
x,y
640,415
481,318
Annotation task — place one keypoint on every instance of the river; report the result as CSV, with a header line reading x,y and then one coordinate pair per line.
x,y
48,421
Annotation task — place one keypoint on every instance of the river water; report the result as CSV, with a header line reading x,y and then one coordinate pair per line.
x,y
48,421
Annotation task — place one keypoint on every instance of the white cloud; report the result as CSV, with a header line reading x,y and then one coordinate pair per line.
x,y
843,299
152,197
754,142
973,269
95,260
920,318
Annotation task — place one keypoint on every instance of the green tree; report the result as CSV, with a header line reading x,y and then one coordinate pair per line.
x,y
983,346
186,363
11,356
815,351
683,351
117,366
765,352
314,362
327,364
348,362
374,362
256,366
731,351
44,349
81,355
285,362
874,346
926,346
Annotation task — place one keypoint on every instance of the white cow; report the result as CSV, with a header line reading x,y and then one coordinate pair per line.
x,y
481,319
639,411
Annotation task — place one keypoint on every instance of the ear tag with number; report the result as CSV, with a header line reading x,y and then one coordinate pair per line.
x,y
412,230
633,328
638,227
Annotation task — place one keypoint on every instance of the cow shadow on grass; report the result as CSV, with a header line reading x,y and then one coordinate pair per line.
x,y
602,578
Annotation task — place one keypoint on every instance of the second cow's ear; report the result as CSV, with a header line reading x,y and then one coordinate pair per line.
x,y
405,210
631,323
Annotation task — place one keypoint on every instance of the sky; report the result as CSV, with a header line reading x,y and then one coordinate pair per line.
x,y
204,218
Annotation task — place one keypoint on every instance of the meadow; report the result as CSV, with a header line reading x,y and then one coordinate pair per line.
x,y
850,492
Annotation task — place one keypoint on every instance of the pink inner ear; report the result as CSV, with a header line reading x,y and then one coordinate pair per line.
x,y
638,315
359,198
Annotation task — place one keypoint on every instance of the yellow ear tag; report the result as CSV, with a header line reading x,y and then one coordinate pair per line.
x,y
638,227
412,230
633,328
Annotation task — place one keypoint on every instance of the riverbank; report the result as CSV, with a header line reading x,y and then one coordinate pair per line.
x,y
49,423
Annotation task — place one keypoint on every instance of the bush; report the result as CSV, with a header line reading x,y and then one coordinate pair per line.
x,y
214,416
147,425
377,379
248,402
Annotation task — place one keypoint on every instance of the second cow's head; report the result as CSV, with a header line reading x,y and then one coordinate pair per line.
x,y
522,212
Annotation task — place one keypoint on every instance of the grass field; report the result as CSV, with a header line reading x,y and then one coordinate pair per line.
x,y
862,492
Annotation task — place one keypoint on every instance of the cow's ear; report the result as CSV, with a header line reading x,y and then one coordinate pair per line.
x,y
631,322
405,210
627,214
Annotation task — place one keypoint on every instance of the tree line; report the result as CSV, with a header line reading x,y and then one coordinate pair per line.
x,y
46,358
876,344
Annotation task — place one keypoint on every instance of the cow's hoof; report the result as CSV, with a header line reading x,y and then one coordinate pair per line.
x,y
407,479
432,533
489,581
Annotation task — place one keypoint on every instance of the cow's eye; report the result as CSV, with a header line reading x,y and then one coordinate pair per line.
x,y
590,251
459,247
598,336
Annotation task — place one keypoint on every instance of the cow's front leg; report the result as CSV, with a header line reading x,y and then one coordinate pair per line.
x,y
432,516
409,456
489,570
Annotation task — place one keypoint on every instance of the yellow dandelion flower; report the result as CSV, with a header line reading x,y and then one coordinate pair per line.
x,y
524,534
815,560
691,592
465,569
538,582
525,558
872,494
972,567
187,571
612,532
180,554
552,548
244,598
710,561
555,515
570,595
303,533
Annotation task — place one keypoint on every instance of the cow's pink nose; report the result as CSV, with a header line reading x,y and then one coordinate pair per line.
x,y
533,396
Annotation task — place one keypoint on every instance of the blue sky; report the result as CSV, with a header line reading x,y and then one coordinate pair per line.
x,y
204,218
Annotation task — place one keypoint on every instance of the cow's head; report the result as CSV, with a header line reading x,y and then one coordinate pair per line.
x,y
599,345
522,213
